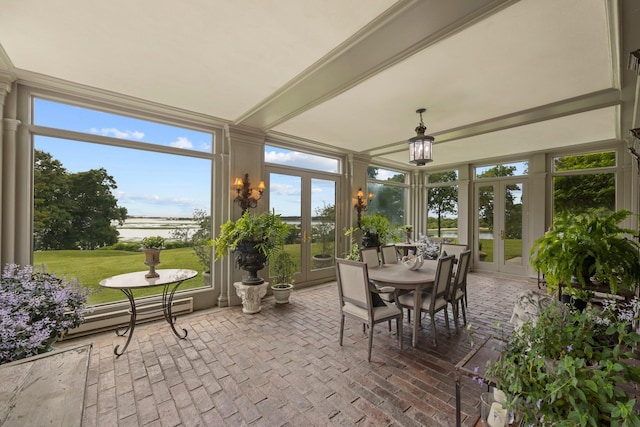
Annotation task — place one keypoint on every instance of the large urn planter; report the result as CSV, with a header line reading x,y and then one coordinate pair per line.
x,y
251,259
370,240
322,260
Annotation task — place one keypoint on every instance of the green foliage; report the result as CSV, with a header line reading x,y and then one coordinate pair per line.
x,y
592,243
152,242
569,366
266,229
354,249
377,224
201,237
73,210
325,230
579,193
388,200
512,209
442,200
282,266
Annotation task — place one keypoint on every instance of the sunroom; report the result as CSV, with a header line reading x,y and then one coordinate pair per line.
x,y
169,109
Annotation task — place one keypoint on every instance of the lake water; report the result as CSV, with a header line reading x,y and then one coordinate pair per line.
x,y
135,229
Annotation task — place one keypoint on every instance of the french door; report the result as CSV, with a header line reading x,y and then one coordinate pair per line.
x,y
306,200
500,226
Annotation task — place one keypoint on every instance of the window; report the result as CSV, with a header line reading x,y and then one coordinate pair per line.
x,y
502,169
442,204
282,156
584,181
389,191
96,196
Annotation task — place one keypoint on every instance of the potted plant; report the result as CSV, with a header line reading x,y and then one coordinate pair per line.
x,y
325,230
408,229
569,367
37,309
251,238
151,246
579,247
376,230
283,268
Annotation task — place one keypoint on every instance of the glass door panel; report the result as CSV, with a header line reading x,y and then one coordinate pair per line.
x,y
307,203
511,234
286,189
500,226
484,228
323,223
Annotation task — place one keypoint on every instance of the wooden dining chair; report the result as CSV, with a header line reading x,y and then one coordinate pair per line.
x,y
454,249
356,302
435,300
458,292
370,257
389,254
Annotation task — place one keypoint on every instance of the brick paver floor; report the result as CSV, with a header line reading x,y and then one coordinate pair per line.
x,y
284,367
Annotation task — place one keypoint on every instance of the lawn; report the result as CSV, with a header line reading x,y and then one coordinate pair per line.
x,y
89,267
512,248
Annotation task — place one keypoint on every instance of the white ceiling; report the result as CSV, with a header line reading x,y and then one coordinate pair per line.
x,y
498,77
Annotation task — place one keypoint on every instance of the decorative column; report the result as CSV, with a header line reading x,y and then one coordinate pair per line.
x,y
251,296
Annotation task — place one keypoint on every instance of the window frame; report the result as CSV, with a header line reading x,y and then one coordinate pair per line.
x,y
202,297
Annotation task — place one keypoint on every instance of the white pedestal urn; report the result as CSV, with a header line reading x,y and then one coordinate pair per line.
x,y
251,296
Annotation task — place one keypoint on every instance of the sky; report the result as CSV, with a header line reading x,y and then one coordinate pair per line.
x,y
165,185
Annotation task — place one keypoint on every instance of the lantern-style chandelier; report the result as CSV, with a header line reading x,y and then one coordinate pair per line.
x,y
420,146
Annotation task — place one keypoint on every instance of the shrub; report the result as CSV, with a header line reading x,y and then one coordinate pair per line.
x,y
36,308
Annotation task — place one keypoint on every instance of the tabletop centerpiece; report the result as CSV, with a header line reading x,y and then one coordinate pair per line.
x,y
151,246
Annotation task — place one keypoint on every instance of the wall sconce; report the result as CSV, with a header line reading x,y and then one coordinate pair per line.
x,y
361,204
244,193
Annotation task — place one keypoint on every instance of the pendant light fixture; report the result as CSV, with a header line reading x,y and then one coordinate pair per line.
x,y
420,146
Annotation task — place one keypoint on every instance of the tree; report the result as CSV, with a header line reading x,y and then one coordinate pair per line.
x,y
578,193
442,200
74,210
486,198
388,199
52,205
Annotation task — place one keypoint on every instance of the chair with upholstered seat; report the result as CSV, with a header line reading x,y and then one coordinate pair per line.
x,y
458,292
452,249
435,300
355,300
370,257
389,254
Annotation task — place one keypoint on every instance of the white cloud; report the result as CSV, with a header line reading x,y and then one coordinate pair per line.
x,y
302,160
182,142
117,133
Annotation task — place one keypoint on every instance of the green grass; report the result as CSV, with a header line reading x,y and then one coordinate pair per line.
x,y
89,267
512,248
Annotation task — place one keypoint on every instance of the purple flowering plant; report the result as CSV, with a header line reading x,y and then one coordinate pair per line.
x,y
570,368
36,308
430,249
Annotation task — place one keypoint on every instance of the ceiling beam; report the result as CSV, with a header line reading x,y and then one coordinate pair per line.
x,y
404,29
579,104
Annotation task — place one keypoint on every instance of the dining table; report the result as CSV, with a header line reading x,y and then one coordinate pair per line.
x,y
399,276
